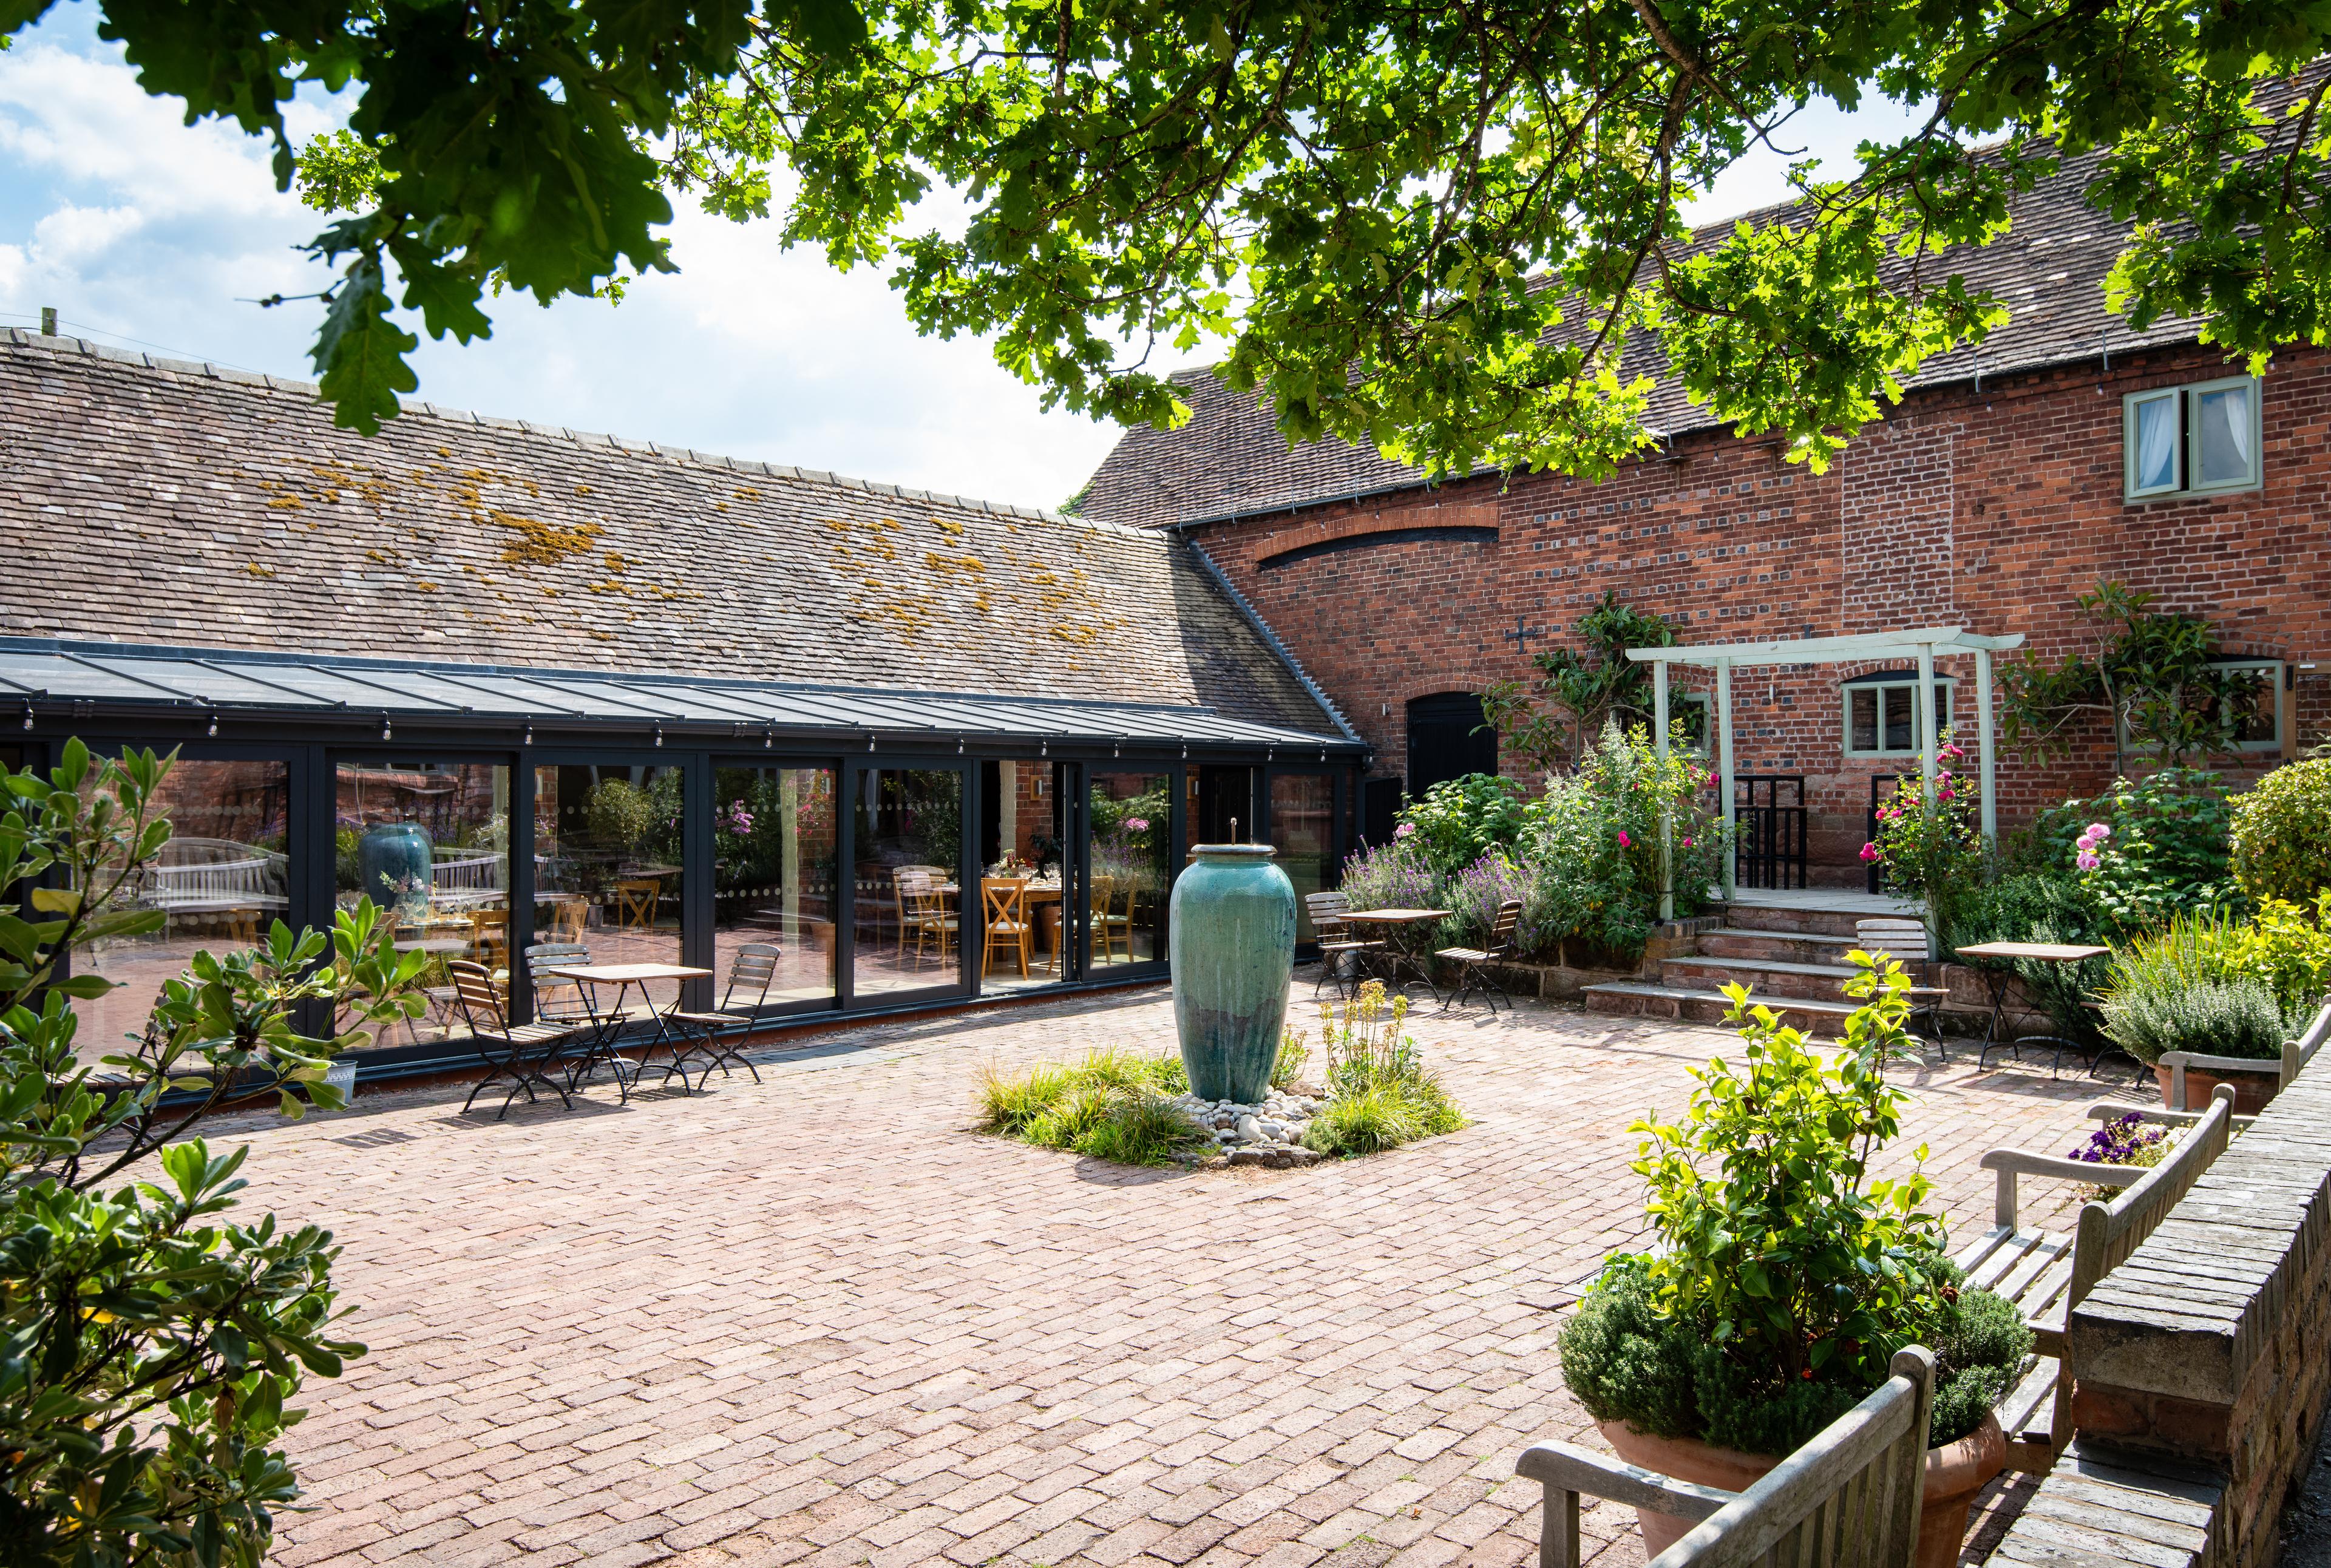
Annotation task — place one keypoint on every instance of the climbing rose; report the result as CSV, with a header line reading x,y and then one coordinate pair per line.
x,y
1868,853
1624,841
1946,795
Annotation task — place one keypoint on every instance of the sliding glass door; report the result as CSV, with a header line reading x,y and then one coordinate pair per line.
x,y
906,847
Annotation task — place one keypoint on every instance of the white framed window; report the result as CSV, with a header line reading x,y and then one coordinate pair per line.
x,y
1881,713
2200,439
2258,702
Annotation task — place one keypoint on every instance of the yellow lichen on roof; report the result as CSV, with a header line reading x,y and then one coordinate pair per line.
x,y
542,544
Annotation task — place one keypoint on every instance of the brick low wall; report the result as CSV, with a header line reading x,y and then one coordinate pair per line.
x,y
2208,1347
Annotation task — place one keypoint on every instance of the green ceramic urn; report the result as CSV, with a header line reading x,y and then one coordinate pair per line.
x,y
1232,944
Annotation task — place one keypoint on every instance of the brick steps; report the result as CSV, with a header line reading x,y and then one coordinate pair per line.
x,y
1788,947
1766,977
1640,999
1789,955
1793,921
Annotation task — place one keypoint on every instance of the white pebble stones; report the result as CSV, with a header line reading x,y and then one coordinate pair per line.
x,y
1272,1130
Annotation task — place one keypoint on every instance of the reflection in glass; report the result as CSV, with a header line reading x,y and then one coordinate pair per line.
x,y
429,843
2156,436
2223,430
1303,828
773,851
222,880
907,929
2255,694
1020,908
1129,816
1864,701
607,864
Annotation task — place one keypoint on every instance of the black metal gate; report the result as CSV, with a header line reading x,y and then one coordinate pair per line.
x,y
1768,849
1881,790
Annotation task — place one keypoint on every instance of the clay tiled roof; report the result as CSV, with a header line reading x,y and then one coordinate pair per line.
x,y
1229,458
162,502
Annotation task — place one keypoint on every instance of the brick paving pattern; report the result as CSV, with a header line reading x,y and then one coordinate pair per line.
x,y
819,1321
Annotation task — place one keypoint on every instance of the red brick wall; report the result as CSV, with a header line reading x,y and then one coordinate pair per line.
x,y
1991,510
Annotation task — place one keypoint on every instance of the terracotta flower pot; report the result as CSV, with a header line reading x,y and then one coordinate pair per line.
x,y
1956,1472
2251,1089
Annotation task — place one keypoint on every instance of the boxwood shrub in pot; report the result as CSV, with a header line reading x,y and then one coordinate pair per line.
x,y
1784,1275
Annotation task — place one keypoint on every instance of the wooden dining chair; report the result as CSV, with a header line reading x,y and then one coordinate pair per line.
x,y
489,937
636,898
1112,925
569,915
1005,901
522,1053
905,882
927,915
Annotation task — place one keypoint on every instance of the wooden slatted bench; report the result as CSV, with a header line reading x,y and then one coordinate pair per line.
x,y
2047,1275
1849,1498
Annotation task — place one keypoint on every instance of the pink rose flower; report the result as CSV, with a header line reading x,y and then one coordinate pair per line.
x,y
1136,825
2086,861
1624,841
1402,830
2098,831
1868,853
1945,795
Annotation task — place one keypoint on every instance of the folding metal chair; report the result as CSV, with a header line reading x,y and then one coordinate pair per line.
x,y
521,1053
718,1034
1338,947
1473,963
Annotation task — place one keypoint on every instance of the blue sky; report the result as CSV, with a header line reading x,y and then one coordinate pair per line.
x,y
143,231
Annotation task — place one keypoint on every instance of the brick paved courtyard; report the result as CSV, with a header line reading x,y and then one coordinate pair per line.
x,y
818,1321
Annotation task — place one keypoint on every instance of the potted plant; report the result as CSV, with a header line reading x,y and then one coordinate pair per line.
x,y
1785,1275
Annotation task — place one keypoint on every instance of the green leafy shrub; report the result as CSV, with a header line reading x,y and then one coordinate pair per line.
x,y
1592,847
2281,833
1786,1274
1931,852
1461,820
2208,1017
2166,848
150,1340
2199,985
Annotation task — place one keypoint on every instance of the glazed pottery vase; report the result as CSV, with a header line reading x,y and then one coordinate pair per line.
x,y
393,862
1956,1472
1233,946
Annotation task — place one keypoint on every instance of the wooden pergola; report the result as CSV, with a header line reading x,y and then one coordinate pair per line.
x,y
1925,642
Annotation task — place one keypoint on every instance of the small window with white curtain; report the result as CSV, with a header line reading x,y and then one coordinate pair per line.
x,y
2196,440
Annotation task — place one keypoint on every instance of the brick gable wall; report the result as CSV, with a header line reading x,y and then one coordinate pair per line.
x,y
1992,509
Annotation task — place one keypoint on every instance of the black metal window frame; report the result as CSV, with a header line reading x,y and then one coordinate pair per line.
x,y
312,747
